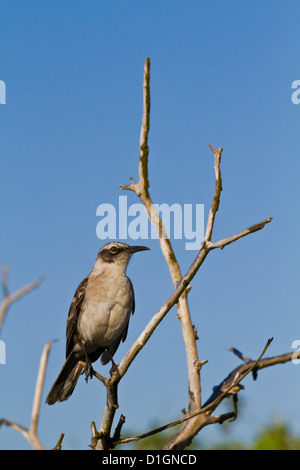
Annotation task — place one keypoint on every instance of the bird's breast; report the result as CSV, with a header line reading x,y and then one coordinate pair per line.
x,y
105,312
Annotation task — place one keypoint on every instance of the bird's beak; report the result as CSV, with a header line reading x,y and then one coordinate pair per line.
x,y
134,249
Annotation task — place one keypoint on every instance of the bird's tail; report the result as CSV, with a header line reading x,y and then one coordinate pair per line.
x,y
65,383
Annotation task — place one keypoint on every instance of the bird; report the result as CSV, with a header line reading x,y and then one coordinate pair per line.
x,y
98,317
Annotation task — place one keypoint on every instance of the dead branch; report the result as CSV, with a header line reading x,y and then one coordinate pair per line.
x,y
59,442
141,189
249,365
217,194
31,433
226,241
229,386
10,298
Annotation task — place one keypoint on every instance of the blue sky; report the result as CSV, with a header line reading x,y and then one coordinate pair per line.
x,y
221,74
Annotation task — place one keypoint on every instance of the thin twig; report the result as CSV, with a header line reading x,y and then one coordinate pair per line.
x,y
226,241
39,388
59,442
117,433
217,194
10,298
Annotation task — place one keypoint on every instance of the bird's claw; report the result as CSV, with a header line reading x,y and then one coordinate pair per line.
x,y
88,371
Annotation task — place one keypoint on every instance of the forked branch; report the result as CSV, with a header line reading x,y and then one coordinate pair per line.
x,y
141,189
179,296
229,386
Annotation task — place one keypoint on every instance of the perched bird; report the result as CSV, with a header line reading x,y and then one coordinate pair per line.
x,y
98,317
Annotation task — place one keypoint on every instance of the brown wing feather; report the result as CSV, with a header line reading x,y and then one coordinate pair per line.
x,y
73,315
125,331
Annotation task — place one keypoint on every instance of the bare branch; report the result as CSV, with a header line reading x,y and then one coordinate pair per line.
x,y
231,387
9,299
59,442
17,427
94,438
117,433
103,436
226,241
31,433
39,388
144,149
216,199
143,184
181,284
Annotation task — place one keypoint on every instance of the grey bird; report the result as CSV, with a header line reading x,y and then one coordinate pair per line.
x,y
98,317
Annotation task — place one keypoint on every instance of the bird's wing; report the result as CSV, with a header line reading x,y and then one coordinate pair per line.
x,y
73,315
124,333
133,299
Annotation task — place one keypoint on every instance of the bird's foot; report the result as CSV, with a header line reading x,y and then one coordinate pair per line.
x,y
88,371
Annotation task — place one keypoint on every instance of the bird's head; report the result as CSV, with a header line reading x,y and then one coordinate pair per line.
x,y
118,254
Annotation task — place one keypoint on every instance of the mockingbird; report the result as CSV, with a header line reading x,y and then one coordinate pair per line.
x,y
98,317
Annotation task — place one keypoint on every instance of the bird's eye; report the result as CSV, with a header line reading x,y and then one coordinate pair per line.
x,y
114,249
